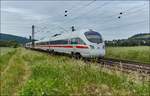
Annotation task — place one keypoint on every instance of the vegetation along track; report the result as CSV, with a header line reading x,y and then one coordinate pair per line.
x,y
125,66
121,65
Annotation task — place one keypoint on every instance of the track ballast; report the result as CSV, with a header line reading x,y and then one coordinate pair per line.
x,y
121,65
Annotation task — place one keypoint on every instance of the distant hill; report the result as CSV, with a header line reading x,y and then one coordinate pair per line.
x,y
18,39
142,39
143,36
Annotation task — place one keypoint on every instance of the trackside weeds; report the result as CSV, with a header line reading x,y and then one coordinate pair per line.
x,y
60,75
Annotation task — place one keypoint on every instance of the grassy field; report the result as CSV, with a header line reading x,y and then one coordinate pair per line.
x,y
5,50
139,54
5,55
30,73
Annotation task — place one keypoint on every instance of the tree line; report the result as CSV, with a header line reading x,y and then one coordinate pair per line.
x,y
9,44
128,42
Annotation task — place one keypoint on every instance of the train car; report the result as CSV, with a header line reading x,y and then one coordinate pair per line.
x,y
28,45
85,43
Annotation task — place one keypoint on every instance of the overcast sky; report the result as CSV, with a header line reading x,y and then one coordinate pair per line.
x,y
48,17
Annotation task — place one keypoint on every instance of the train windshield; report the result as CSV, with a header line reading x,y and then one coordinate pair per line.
x,y
93,37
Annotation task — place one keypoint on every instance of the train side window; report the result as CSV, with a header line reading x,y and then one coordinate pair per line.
x,y
65,41
80,41
47,43
69,41
51,42
42,43
56,42
61,41
74,41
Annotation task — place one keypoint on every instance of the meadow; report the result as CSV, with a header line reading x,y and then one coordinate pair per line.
x,y
30,73
138,53
5,50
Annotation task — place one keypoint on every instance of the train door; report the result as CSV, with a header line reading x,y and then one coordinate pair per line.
x,y
74,43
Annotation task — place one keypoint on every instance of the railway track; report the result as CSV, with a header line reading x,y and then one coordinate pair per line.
x,y
125,66
121,65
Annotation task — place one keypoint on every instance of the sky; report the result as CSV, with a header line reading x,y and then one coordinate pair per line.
x,y
17,17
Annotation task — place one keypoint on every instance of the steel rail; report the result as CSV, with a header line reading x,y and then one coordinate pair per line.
x,y
115,64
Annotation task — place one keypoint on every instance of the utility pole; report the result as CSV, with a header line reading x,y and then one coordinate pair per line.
x,y
32,36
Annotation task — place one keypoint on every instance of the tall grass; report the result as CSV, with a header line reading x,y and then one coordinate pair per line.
x,y
6,54
139,53
5,50
13,74
62,76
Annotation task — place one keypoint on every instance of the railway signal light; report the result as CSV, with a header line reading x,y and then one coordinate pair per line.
x,y
66,11
119,17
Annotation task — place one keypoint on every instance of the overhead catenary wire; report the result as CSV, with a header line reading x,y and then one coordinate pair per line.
x,y
75,8
72,19
114,15
111,15
84,6
87,6
57,26
49,31
64,28
89,12
127,24
128,10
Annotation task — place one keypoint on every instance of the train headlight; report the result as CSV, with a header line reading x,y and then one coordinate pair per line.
x,y
91,46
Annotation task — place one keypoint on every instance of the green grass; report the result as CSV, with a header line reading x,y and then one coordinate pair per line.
x,y
139,53
6,54
62,76
13,73
5,50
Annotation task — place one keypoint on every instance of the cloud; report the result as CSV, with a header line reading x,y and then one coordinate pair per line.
x,y
26,14
20,15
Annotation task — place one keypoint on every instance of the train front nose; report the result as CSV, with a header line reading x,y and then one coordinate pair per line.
x,y
97,51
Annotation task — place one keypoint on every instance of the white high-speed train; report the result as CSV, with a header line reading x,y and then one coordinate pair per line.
x,y
85,43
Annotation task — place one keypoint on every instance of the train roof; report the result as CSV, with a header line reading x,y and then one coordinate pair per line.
x,y
43,40
64,35
68,34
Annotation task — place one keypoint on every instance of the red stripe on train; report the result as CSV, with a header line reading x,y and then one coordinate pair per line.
x,y
60,46
69,46
79,46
